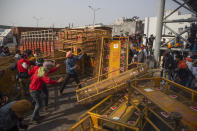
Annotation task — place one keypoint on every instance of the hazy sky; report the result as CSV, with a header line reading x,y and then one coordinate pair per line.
x,y
62,12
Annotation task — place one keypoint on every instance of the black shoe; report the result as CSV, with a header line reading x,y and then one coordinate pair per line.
x,y
61,91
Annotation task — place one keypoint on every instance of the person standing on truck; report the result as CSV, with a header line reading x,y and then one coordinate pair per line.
x,y
71,69
11,115
39,77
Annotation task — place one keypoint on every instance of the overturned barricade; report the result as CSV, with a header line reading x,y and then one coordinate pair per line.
x,y
109,86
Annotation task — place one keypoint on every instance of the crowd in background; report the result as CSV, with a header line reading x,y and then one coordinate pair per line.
x,y
180,67
141,48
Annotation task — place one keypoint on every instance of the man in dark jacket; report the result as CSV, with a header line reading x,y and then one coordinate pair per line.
x,y
167,65
11,115
71,69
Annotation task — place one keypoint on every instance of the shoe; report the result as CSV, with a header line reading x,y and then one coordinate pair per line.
x,y
61,91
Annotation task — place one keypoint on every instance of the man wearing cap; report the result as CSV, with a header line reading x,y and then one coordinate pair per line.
x,y
39,77
11,115
71,69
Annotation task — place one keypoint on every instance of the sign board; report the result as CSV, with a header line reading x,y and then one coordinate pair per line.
x,y
115,45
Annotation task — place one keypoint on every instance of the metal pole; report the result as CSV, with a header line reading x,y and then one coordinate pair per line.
x,y
94,17
94,13
37,22
159,29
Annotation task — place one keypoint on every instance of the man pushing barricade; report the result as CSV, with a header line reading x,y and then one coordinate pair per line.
x,y
39,63
38,79
71,69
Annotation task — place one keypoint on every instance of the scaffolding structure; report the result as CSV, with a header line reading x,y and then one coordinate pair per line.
x,y
162,21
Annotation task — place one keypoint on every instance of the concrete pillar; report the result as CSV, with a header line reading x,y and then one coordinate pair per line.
x,y
159,29
146,27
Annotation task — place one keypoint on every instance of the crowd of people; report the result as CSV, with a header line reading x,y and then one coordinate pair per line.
x,y
180,68
141,48
177,66
33,78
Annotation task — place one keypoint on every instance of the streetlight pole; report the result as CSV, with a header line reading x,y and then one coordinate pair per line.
x,y
94,13
37,20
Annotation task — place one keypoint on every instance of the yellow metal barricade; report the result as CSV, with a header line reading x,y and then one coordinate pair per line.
x,y
109,86
164,99
102,116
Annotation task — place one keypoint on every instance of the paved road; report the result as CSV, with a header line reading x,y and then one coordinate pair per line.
x,y
66,114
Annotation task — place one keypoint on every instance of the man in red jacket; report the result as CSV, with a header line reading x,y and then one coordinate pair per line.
x,y
22,66
39,77
39,63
